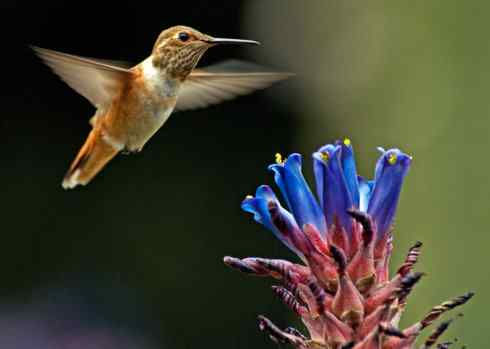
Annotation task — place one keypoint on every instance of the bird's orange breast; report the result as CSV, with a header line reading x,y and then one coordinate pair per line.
x,y
137,112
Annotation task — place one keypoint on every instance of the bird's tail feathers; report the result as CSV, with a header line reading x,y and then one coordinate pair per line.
x,y
95,153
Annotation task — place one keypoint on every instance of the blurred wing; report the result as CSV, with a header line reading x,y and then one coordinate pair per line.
x,y
224,81
97,80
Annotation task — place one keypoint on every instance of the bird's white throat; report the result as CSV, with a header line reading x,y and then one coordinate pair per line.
x,y
158,80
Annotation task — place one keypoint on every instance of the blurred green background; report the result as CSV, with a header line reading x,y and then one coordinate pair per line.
x,y
140,249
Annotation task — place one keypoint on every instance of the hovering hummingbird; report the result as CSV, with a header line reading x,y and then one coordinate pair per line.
x,y
132,103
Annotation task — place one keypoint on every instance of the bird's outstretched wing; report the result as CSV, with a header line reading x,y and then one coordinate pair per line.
x,y
95,79
223,81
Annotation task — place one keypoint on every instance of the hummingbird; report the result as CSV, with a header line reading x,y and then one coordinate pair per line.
x,y
133,102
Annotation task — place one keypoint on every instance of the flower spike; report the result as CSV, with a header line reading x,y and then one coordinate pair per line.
x,y
342,292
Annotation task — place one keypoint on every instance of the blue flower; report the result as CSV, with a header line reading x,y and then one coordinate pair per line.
x,y
391,169
297,193
339,189
342,292
268,211
332,185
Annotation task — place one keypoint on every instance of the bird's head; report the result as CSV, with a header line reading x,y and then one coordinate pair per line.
x,y
178,49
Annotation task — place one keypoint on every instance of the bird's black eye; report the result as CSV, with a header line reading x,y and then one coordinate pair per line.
x,y
183,36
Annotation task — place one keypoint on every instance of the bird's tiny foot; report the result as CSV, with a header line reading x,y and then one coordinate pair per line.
x,y
128,152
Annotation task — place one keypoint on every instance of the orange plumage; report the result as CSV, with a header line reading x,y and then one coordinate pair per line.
x,y
133,103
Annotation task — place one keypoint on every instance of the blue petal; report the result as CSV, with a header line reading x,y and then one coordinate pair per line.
x,y
365,192
391,169
349,169
297,193
335,198
260,205
379,164
279,175
319,170
328,148
319,173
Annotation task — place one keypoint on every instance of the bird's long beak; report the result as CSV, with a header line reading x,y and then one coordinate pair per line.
x,y
217,41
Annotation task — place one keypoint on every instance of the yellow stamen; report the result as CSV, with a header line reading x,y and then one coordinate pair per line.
x,y
347,142
248,197
324,155
392,159
279,159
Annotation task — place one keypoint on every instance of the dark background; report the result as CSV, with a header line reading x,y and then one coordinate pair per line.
x,y
137,254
